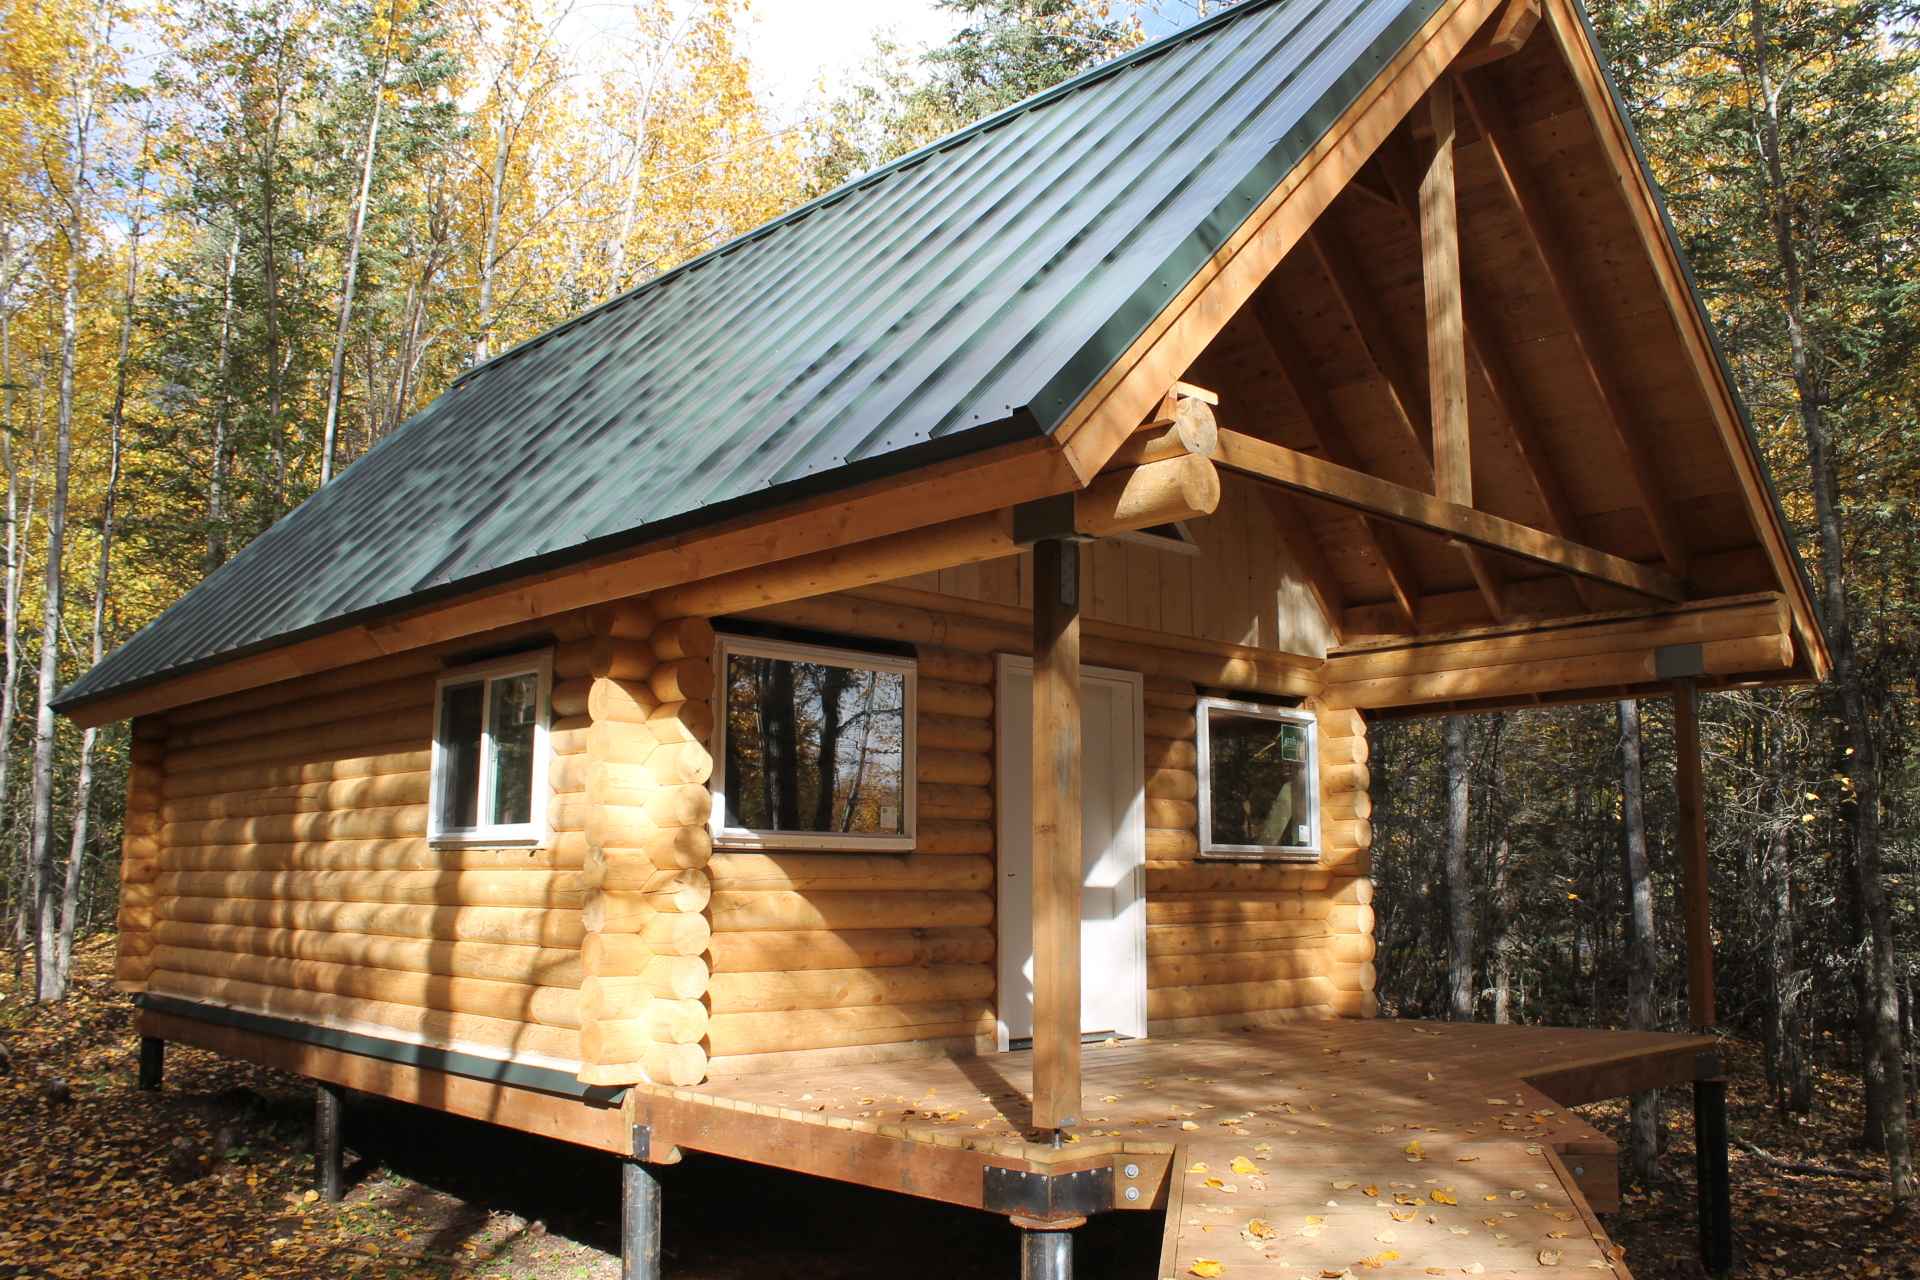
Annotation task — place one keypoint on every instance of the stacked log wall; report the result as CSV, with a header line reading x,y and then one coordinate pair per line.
x,y
1229,943
292,874
834,957
639,694
1346,837
140,853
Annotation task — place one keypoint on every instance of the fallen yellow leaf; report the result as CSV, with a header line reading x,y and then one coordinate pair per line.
x,y
1207,1267
1188,1125
1198,1167
1441,1197
1243,1165
1401,1217
1556,1235
1416,1148
1373,1189
1259,1229
1549,1257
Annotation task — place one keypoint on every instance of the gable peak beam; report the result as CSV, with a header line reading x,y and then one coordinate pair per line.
x,y
1446,326
1504,35
1536,228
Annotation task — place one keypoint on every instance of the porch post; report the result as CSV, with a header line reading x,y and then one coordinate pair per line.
x,y
639,1222
1056,833
1691,815
153,1062
1046,1248
329,1108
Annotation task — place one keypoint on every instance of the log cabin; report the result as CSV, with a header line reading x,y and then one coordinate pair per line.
x,y
929,643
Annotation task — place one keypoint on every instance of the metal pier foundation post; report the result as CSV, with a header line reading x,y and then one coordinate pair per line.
x,y
1714,1178
329,1109
153,1062
1046,1248
639,1222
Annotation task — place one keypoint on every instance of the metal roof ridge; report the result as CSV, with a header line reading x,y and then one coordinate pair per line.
x,y
1046,97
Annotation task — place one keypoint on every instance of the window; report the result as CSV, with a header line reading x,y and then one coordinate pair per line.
x,y
490,752
815,748
1258,781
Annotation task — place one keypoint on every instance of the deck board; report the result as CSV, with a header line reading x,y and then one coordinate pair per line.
x,y
1305,1105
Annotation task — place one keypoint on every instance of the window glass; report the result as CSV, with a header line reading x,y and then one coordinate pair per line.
x,y
814,747
514,705
1259,775
462,719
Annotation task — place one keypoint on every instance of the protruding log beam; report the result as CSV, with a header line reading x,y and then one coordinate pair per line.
x,y
1536,227
1297,471
1446,327
1690,815
1056,833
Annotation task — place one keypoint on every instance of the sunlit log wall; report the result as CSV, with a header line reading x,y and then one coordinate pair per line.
x,y
844,957
285,869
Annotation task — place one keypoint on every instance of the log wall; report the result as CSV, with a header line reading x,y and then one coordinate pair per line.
x,y
1346,838
276,860
1229,944
841,957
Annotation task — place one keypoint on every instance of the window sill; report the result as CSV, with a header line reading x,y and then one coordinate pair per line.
x,y
1243,854
808,842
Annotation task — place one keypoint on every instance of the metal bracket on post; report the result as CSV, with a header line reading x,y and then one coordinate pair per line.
x,y
1679,661
1047,1198
1046,520
1713,1176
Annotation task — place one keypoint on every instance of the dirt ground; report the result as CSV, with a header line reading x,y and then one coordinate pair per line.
x,y
212,1176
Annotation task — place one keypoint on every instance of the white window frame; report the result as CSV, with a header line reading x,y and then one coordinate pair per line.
x,y
1309,852
847,841
534,832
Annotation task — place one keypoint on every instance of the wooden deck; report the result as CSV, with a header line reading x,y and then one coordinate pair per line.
x,y
1424,1148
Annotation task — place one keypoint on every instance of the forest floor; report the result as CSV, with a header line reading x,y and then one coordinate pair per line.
x,y
211,1176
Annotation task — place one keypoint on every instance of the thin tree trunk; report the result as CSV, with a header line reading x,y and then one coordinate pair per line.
x,y
489,253
1503,938
217,478
337,376
1884,1063
50,984
8,692
1459,889
1644,1124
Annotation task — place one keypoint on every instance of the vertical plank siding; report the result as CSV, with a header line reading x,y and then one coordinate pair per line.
x,y
821,958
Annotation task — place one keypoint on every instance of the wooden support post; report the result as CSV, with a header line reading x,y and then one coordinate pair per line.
x,y
1046,1250
1056,833
153,1062
329,1109
639,1222
1691,814
1714,1179
1446,324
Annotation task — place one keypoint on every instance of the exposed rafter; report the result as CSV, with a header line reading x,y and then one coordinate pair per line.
x,y
1536,226
1446,329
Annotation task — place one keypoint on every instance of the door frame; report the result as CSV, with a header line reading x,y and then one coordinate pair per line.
x,y
1131,773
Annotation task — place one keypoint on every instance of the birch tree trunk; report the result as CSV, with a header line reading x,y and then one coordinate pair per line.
x,y
1644,1124
337,376
1459,887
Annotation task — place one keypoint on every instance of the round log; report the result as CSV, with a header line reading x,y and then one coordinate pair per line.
x,y
849,988
568,773
946,698
954,768
514,1002
1345,806
952,835
130,919
940,801
1346,917
953,733
953,666
1172,815
132,970
1166,845
1354,1004
806,872
139,895
687,805
537,966
518,926
1236,997
613,999
777,950
342,824
630,619
1344,777
364,855
568,810
1343,751
737,1033
1358,889
683,638
1352,833
674,1021
621,742
407,693
630,701
1235,967
682,722
682,680
437,1026
1340,722
1244,935
619,826
1237,877
1172,784
135,845
854,909
614,658
1227,908
529,888
1171,753
568,735
208,782
344,736
1351,948
139,870
1354,977
680,763
573,660
1170,722
625,785
1182,488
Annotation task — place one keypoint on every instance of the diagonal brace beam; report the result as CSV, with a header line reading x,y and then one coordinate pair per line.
x,y
1302,473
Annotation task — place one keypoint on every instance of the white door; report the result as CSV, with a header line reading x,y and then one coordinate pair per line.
x,y
1113,909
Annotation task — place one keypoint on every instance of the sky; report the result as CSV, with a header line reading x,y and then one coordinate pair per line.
x,y
797,43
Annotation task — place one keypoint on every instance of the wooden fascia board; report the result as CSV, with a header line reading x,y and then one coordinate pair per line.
x,y
1570,34
946,491
1309,475
1104,418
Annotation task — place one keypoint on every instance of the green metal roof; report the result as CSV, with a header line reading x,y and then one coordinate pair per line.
x,y
967,295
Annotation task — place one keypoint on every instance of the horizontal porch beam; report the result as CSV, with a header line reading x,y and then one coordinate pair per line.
x,y
1304,474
